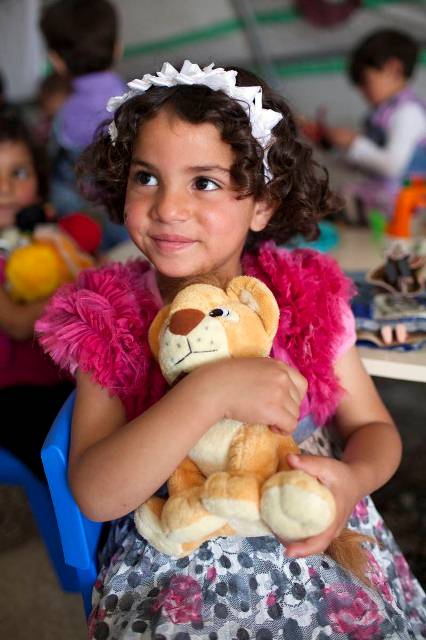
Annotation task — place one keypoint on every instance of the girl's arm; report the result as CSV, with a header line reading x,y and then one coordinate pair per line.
x,y
373,446
407,127
116,465
371,454
17,320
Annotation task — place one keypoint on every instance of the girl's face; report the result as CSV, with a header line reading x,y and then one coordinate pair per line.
x,y
18,181
181,209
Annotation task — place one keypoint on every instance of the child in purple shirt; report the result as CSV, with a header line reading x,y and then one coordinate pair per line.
x,y
81,38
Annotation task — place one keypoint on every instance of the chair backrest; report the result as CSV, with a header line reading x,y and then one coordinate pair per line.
x,y
79,536
14,472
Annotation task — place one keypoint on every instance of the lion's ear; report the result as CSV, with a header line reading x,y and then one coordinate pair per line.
x,y
256,295
155,329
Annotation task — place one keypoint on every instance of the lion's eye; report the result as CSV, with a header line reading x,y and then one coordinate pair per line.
x,y
220,311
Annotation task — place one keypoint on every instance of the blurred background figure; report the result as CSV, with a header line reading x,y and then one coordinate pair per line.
x,y
31,389
53,91
392,143
82,42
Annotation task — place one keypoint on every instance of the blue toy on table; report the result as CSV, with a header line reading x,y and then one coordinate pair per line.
x,y
328,238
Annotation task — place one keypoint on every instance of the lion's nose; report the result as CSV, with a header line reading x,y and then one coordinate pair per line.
x,y
182,322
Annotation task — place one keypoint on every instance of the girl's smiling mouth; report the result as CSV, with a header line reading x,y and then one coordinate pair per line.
x,y
169,243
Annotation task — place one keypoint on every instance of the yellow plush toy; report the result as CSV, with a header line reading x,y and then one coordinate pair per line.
x,y
51,258
235,480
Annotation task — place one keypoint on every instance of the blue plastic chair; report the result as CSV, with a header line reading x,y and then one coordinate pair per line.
x,y
79,535
15,472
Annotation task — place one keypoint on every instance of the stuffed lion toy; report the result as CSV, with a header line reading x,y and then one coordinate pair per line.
x,y
235,480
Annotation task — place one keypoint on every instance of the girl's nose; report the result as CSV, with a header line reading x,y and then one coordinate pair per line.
x,y
171,205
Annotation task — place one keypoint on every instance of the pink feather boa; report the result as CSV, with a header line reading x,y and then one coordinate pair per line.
x,y
100,324
311,290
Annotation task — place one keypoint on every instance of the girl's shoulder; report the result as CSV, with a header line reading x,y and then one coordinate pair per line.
x,y
100,324
299,275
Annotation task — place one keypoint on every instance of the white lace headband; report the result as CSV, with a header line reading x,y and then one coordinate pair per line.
x,y
262,120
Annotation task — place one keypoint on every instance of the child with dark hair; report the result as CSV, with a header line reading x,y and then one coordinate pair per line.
x,y
392,145
205,169
32,389
82,42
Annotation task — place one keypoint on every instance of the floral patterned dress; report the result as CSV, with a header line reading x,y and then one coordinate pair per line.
x,y
232,588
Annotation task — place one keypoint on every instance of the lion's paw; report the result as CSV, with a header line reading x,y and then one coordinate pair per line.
x,y
185,519
296,506
148,524
232,496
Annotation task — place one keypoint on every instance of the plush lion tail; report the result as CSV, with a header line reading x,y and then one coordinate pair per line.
x,y
348,551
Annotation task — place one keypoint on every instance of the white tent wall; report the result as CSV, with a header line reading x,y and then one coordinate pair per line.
x,y
343,103
21,52
309,61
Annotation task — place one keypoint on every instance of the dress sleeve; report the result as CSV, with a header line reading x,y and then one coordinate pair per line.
x,y
100,325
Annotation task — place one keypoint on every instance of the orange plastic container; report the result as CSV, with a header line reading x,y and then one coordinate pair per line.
x,y
411,196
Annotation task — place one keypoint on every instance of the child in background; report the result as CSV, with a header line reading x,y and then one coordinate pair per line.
x,y
204,167
53,90
82,44
392,145
31,387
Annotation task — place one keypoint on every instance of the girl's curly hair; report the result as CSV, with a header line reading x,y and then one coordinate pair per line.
x,y
299,189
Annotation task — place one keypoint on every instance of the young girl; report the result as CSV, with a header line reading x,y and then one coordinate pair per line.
x,y
203,166
31,388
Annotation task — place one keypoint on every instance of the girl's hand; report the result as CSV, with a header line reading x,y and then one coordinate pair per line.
x,y
340,478
257,391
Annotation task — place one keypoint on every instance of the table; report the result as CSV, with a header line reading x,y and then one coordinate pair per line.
x,y
356,251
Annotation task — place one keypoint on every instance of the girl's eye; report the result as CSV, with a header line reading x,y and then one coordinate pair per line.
x,y
21,173
205,184
146,179
220,312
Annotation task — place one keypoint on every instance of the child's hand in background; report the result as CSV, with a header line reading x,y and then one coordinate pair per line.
x,y
340,478
257,391
341,137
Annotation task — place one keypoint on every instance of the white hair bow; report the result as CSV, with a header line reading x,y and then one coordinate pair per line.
x,y
262,120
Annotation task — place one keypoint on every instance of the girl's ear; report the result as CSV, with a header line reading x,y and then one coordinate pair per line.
x,y
155,330
263,212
